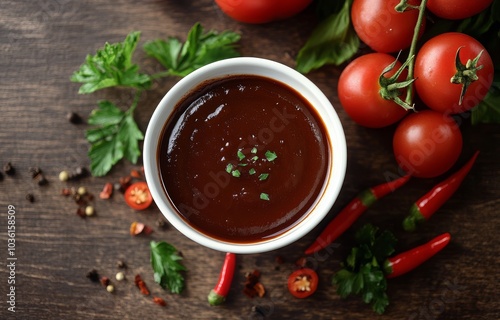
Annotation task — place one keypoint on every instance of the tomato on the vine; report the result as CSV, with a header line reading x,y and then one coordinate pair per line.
x,y
303,282
435,66
358,91
381,27
457,9
261,11
138,196
426,144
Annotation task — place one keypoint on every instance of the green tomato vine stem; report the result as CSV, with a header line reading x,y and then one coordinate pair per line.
x,y
413,48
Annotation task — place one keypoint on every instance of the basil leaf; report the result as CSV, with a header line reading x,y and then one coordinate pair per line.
x,y
488,110
333,41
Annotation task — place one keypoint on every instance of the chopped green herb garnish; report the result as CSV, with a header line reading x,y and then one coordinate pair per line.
x,y
270,156
236,173
241,155
263,176
230,168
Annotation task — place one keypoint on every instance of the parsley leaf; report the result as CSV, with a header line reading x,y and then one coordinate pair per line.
x,y
333,41
362,271
112,66
115,135
166,266
199,49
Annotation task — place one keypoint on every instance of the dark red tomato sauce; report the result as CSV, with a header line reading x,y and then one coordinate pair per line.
x,y
213,162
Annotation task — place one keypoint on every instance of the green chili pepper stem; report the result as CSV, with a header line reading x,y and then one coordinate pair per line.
x,y
413,219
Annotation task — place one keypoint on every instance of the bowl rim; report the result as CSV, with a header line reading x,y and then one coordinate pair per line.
x,y
248,66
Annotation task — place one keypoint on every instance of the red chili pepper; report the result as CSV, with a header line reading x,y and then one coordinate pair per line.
x,y
353,211
218,294
409,260
427,205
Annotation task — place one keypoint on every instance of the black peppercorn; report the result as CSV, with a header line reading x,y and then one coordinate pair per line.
x,y
35,172
9,169
120,264
74,118
93,275
161,224
42,181
30,197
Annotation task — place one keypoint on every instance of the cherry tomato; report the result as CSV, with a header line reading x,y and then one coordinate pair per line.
x,y
261,11
426,144
457,9
435,66
358,90
138,196
303,282
381,27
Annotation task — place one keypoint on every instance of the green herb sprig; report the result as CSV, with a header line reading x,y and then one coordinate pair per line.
x,y
362,272
167,267
115,134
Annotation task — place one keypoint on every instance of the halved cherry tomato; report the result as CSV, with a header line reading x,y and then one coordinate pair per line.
x,y
138,196
303,282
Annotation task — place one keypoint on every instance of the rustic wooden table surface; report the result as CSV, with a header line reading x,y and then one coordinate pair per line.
x,y
43,42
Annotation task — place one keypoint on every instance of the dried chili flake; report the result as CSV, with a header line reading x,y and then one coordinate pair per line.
x,y
107,191
80,211
159,301
141,285
124,183
301,262
66,192
135,173
137,228
105,281
252,286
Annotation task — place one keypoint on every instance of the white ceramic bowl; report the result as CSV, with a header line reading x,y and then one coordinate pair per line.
x,y
264,68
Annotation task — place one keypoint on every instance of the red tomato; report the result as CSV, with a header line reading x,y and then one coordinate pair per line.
x,y
457,9
303,282
435,66
426,144
261,11
138,196
358,91
381,27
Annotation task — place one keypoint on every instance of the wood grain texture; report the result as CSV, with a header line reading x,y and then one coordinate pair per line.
x,y
43,42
